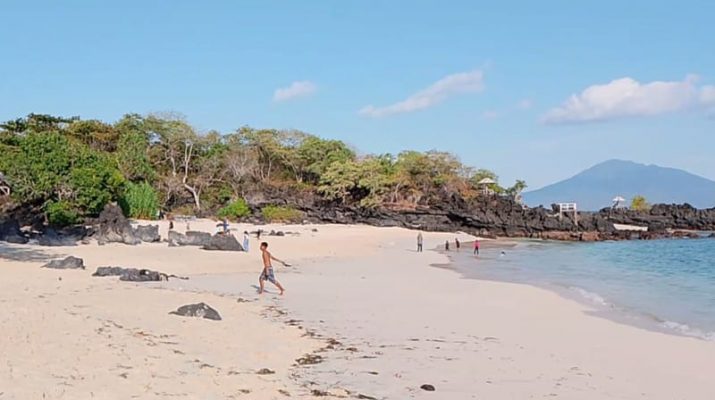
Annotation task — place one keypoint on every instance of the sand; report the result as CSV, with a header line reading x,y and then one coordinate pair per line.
x,y
380,318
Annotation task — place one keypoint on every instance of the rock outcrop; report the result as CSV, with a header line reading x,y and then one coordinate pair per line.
x,y
10,231
51,237
499,216
66,263
665,216
223,242
147,233
191,238
200,310
114,227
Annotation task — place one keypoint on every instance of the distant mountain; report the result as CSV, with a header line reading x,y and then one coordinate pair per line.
x,y
595,187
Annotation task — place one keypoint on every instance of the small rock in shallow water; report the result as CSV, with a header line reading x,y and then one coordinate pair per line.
x,y
427,387
200,310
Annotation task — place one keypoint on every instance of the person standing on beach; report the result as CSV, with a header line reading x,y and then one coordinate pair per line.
x,y
476,247
456,243
446,245
245,241
267,274
223,225
419,242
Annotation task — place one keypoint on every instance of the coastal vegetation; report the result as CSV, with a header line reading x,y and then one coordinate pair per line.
x,y
71,168
639,203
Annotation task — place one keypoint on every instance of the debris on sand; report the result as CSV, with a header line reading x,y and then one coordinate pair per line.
x,y
199,310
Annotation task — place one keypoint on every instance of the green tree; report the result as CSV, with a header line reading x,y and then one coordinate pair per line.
x,y
366,181
235,210
339,180
639,203
133,149
95,134
47,168
317,154
517,188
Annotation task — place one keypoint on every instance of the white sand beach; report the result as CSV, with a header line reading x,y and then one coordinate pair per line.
x,y
382,319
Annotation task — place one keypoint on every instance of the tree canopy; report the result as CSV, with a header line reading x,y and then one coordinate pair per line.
x,y
73,167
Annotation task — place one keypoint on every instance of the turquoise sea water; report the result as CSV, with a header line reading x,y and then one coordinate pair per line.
x,y
667,285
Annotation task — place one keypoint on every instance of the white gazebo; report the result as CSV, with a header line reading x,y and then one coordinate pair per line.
x,y
484,186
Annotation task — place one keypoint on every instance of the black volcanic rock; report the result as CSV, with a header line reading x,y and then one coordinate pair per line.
x,y
147,233
501,216
10,231
52,238
223,242
427,387
131,274
114,227
191,238
200,310
66,263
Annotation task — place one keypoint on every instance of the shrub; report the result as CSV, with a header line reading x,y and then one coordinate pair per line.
x,y
61,213
639,203
281,214
140,201
235,210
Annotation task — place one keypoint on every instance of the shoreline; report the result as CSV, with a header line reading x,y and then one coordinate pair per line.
x,y
605,308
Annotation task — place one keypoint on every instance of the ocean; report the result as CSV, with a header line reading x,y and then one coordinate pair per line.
x,y
666,285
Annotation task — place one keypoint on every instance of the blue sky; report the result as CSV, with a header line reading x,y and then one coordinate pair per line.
x,y
532,90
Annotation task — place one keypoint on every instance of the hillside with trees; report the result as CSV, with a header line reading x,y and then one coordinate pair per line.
x,y
68,169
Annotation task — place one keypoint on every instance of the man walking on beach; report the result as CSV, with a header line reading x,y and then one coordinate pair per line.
x,y
419,242
267,274
476,247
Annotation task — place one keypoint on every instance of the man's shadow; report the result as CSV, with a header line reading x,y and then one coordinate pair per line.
x,y
265,289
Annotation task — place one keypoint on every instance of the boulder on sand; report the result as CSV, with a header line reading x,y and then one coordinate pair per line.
x,y
200,310
223,242
132,274
148,233
52,238
10,232
66,263
191,238
114,227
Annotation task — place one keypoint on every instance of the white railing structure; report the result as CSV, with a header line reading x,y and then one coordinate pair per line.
x,y
566,208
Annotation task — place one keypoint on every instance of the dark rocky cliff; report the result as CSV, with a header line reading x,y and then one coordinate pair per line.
x,y
486,216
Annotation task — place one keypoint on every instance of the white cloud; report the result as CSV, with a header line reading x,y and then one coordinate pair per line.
x,y
294,90
627,97
707,95
463,82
